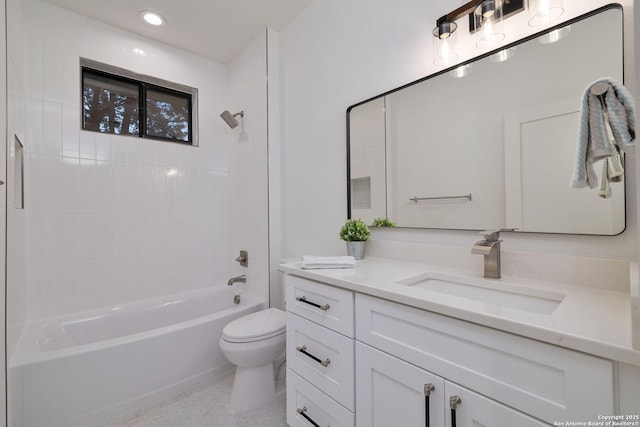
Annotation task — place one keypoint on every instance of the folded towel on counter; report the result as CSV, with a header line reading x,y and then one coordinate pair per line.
x,y
315,262
606,128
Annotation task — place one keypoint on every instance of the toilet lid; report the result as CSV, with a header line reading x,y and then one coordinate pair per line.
x,y
255,326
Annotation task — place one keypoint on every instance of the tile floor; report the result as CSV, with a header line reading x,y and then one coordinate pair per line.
x,y
206,406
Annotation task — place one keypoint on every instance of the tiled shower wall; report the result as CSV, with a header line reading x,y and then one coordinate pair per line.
x,y
111,219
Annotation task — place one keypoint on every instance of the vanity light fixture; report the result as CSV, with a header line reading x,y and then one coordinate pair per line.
x,y
542,12
488,20
444,43
485,19
152,18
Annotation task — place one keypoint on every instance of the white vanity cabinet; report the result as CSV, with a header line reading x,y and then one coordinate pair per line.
x,y
394,392
320,354
546,382
355,359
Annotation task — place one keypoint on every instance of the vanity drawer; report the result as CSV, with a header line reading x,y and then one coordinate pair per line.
x,y
549,382
304,398
323,357
323,304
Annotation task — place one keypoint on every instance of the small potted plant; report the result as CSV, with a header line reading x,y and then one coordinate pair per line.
x,y
382,222
355,232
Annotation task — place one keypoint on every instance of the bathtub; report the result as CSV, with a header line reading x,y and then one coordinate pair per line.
x,y
88,367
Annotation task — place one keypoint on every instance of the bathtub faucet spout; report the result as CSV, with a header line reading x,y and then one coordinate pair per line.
x,y
242,279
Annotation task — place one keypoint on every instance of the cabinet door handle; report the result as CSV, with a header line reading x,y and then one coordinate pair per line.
x,y
303,299
454,401
303,350
302,411
428,388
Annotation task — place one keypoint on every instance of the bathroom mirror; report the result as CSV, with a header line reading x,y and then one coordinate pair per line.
x,y
493,148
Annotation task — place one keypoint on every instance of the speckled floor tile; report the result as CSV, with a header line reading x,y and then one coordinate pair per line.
x,y
206,406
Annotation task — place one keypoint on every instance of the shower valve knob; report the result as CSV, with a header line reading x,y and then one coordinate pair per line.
x,y
243,258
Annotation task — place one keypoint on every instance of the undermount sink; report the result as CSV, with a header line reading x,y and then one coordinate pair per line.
x,y
493,293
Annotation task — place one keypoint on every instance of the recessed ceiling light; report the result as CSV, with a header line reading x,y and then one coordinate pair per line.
x,y
152,18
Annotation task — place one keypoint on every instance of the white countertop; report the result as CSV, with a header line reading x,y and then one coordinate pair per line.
x,y
590,320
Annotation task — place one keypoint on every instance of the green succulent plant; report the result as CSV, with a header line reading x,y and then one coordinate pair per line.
x,y
354,230
383,222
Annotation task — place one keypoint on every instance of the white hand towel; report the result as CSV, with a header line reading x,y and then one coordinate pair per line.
x,y
316,262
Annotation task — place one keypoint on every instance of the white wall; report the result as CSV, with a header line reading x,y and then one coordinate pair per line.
x,y
113,219
336,54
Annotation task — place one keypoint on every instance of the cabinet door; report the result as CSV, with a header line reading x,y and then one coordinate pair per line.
x,y
472,409
390,392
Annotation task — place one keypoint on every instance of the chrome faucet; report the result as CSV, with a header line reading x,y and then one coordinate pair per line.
x,y
241,279
490,248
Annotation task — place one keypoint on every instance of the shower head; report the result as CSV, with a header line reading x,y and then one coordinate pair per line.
x,y
230,119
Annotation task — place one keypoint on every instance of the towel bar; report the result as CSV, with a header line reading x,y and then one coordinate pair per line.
x,y
416,199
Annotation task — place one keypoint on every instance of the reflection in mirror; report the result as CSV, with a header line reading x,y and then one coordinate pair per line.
x,y
492,145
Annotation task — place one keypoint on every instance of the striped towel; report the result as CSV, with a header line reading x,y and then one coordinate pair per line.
x,y
601,118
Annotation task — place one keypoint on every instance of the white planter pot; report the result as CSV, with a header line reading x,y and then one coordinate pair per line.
x,y
356,249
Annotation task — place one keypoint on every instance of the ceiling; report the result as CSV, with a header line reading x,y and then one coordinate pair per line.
x,y
214,29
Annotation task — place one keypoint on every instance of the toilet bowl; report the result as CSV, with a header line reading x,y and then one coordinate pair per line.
x,y
252,343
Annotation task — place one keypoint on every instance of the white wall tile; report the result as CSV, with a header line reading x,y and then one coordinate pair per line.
x,y
69,235
115,218
88,184
48,226
34,72
52,57
70,185
33,181
70,75
33,134
71,133
52,130
51,185
104,144
104,186
103,236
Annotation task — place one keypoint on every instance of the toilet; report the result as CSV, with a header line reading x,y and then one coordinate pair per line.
x,y
252,343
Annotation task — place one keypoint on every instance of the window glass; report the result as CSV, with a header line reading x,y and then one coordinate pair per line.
x,y
121,102
168,114
109,104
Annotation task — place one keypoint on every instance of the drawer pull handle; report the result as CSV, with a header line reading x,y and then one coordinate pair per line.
x,y
303,350
304,300
307,417
428,388
454,401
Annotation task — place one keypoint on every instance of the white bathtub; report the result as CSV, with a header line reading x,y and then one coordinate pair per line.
x,y
80,369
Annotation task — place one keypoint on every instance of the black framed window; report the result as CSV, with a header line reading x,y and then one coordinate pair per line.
x,y
122,105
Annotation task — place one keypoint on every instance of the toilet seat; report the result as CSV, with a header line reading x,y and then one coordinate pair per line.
x,y
256,326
